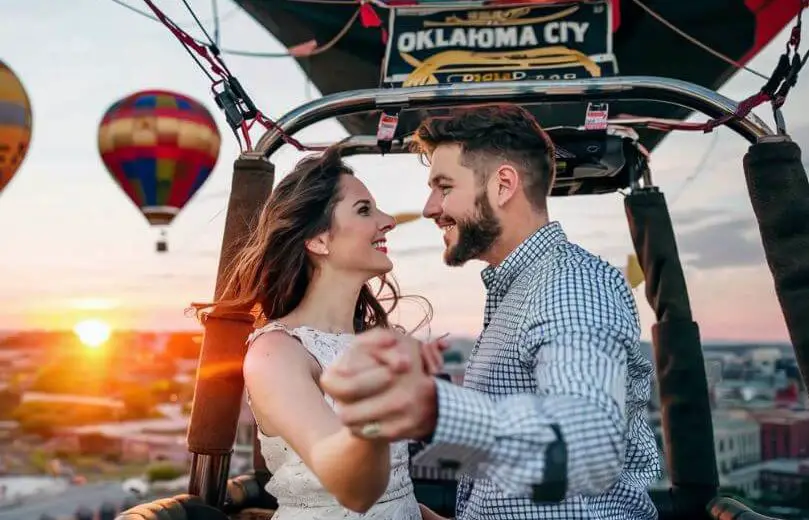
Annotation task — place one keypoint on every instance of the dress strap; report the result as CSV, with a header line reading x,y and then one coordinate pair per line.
x,y
272,327
307,337
323,348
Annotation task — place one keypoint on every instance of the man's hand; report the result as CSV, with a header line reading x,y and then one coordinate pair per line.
x,y
382,386
432,355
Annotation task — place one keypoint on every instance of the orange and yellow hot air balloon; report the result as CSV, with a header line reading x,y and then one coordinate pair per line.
x,y
160,147
633,271
404,218
15,124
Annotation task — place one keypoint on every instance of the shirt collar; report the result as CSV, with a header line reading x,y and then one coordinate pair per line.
x,y
498,278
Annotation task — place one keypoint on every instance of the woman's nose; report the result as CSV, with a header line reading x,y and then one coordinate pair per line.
x,y
388,223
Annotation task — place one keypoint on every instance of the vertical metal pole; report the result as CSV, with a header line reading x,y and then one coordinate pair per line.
x,y
219,384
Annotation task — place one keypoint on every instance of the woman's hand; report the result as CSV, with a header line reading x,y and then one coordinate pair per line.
x,y
432,354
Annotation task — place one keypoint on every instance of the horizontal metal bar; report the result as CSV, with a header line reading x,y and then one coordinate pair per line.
x,y
628,88
364,145
368,144
464,4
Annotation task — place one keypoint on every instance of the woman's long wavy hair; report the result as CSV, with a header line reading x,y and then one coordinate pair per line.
x,y
271,274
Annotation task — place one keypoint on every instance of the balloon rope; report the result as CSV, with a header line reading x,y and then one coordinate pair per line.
x,y
331,43
239,109
696,42
296,52
775,90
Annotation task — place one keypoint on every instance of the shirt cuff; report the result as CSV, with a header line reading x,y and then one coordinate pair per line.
x,y
465,417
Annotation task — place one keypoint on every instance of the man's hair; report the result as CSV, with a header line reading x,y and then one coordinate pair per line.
x,y
490,133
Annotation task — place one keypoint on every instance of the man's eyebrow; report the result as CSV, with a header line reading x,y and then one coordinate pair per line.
x,y
438,178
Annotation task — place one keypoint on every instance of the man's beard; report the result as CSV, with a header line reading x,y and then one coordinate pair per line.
x,y
476,235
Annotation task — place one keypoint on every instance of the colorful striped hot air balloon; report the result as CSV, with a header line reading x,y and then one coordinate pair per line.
x,y
15,124
160,147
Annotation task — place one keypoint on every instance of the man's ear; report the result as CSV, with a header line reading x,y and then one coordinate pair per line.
x,y
506,183
318,245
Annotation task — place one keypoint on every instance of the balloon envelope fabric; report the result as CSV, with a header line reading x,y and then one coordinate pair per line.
x,y
15,124
160,147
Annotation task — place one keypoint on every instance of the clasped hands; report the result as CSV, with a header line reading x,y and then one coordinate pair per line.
x,y
385,380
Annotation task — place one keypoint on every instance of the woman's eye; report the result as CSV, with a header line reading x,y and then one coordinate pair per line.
x,y
365,210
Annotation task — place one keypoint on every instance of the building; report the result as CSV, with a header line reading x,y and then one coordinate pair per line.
x,y
746,480
737,442
131,441
765,359
784,482
70,399
155,448
792,394
787,479
739,392
19,360
784,434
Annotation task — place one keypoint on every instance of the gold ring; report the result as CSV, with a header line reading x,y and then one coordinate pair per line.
x,y
371,430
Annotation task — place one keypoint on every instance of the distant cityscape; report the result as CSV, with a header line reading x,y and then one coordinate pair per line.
x,y
73,417
120,413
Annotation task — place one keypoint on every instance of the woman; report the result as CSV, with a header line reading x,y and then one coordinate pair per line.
x,y
319,242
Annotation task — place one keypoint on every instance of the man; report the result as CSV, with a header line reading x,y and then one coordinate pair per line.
x,y
550,420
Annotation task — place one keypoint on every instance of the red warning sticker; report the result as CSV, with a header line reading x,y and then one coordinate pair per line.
x,y
597,116
387,127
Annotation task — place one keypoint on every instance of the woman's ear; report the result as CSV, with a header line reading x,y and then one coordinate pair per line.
x,y
318,245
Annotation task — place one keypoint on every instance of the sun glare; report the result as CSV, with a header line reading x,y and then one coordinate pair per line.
x,y
92,333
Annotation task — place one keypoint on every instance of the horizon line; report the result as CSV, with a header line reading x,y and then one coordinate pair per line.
x,y
200,330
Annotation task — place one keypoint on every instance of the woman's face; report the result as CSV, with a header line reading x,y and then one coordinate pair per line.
x,y
356,240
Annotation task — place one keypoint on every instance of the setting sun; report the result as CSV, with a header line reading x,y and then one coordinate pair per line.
x,y
92,333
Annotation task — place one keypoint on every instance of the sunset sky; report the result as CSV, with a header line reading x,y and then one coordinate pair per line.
x,y
74,247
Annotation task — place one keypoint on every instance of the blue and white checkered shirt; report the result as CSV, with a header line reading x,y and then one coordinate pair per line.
x,y
559,346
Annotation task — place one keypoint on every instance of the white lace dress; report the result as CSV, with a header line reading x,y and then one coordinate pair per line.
x,y
298,491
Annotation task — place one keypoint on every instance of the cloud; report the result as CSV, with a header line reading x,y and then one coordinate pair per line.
x,y
694,216
801,136
731,243
710,238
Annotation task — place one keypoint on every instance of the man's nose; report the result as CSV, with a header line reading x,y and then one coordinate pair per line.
x,y
432,208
